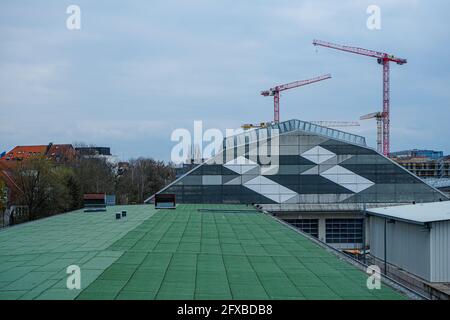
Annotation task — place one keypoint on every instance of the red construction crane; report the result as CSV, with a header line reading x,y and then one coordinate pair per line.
x,y
383,59
275,92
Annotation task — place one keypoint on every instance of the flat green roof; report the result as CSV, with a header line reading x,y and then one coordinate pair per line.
x,y
229,252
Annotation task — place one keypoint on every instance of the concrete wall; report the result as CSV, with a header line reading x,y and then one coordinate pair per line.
x,y
408,245
440,251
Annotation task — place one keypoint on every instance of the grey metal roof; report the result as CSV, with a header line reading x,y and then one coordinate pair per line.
x,y
438,182
416,213
289,126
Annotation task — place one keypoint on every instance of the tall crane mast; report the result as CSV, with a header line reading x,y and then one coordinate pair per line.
x,y
275,92
379,117
383,59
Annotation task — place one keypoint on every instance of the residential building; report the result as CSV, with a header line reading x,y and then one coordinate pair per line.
x,y
416,153
55,152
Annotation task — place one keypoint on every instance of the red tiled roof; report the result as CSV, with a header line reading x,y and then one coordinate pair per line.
x,y
61,150
51,151
25,152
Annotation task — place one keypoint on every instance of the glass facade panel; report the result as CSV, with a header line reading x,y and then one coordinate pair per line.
x,y
309,226
344,230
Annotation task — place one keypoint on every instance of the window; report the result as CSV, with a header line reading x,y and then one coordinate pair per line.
x,y
310,226
344,230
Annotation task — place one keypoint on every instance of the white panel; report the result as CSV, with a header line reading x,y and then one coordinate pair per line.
x,y
350,186
274,197
347,179
256,180
241,165
266,181
271,189
331,174
356,187
363,183
363,186
254,187
318,154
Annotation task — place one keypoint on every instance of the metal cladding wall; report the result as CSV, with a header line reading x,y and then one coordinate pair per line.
x,y
327,167
440,251
422,251
408,245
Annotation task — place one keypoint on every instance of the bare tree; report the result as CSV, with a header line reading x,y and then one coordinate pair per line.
x,y
48,188
45,188
144,177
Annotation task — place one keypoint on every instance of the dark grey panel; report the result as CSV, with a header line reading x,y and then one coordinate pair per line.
x,y
292,159
227,178
339,147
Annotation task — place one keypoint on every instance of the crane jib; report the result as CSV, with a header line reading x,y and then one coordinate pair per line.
x,y
383,59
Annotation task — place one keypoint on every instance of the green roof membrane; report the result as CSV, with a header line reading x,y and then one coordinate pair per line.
x,y
174,254
34,256
187,254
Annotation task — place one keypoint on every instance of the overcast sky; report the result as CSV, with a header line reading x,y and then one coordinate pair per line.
x,y
136,70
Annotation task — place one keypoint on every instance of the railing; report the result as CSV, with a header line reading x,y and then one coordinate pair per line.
x,y
287,126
